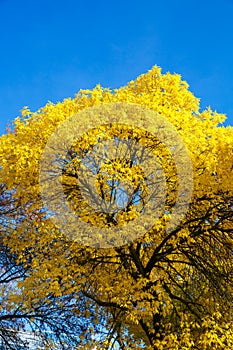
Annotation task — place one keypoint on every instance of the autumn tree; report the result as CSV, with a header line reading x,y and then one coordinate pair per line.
x,y
124,205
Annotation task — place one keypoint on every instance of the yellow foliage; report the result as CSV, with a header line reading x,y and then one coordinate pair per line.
x,y
163,286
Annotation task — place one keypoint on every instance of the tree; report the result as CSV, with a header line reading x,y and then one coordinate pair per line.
x,y
79,198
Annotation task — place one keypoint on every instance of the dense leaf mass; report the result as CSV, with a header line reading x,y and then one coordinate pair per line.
x,y
164,290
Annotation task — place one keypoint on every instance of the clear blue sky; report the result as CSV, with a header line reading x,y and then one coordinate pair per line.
x,y
51,48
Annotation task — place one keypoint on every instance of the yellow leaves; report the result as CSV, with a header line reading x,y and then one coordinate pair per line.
x,y
207,336
166,94
58,264
217,333
163,93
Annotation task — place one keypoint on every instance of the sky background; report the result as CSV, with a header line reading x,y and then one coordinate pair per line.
x,y
49,49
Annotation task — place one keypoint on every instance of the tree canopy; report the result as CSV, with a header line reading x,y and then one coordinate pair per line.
x,y
77,189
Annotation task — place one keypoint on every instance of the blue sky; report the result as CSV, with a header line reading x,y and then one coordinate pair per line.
x,y
51,49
